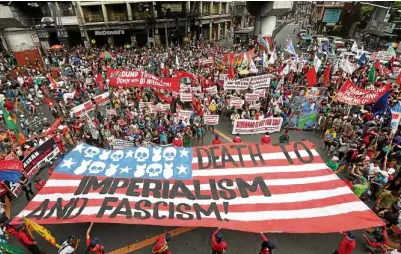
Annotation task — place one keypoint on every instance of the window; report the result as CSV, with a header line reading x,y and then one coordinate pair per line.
x,y
66,9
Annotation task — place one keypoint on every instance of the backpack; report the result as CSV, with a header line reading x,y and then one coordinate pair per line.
x,y
354,155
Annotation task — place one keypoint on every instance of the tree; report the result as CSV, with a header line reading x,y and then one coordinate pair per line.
x,y
366,12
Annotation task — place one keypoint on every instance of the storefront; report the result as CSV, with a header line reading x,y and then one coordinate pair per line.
x,y
115,37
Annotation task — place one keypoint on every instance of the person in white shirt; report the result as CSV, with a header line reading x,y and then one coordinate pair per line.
x,y
69,246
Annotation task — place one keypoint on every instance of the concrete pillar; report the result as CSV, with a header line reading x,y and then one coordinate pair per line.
x,y
188,10
218,32
258,25
210,30
129,11
268,26
228,7
104,11
211,7
220,5
200,8
225,29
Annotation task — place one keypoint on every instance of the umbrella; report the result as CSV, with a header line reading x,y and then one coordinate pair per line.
x,y
106,54
391,44
56,47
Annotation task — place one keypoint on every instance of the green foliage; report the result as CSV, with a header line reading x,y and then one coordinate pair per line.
x,y
397,4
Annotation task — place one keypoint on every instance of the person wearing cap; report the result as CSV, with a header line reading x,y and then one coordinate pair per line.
x,y
347,244
93,243
22,235
218,245
216,140
161,244
266,139
267,246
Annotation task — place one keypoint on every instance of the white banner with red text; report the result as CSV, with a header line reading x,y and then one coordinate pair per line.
x,y
245,126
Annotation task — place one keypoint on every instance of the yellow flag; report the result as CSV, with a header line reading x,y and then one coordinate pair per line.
x,y
43,232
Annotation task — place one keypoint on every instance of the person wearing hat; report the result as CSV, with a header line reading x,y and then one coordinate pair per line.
x,y
237,138
266,139
216,140
267,246
218,245
161,244
347,244
377,240
93,243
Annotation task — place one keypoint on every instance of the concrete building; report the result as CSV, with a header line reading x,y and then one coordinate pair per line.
x,y
125,22
335,18
267,14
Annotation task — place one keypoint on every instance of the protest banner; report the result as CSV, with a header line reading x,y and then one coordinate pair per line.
x,y
131,78
255,106
395,121
185,116
256,82
159,108
304,107
261,92
251,97
353,95
185,97
14,188
119,144
102,99
263,181
39,157
82,109
222,76
185,86
211,119
245,126
144,105
206,61
211,90
236,103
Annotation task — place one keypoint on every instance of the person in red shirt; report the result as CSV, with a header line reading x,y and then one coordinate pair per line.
x,y
93,243
347,244
218,245
23,237
237,139
380,242
39,184
177,142
59,140
161,244
216,140
266,139
266,246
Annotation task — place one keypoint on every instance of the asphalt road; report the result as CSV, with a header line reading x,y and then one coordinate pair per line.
x,y
115,236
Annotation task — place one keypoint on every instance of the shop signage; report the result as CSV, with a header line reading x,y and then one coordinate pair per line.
x,y
109,32
331,15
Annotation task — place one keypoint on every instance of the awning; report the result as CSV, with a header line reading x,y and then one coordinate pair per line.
x,y
378,33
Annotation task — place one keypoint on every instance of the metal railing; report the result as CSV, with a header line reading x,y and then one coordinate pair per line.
x,y
94,18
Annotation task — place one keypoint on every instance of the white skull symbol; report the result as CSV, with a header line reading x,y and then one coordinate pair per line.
x,y
154,169
91,151
117,155
97,167
169,153
141,154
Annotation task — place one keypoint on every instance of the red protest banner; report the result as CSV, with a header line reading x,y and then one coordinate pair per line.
x,y
133,78
353,95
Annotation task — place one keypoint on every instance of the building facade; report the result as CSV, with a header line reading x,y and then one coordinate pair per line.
x,y
126,22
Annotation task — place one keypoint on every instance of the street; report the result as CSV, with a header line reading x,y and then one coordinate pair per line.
x,y
198,240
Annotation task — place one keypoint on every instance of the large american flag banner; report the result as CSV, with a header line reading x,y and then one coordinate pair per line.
x,y
245,187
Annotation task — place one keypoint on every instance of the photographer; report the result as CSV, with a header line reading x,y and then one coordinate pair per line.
x,y
70,245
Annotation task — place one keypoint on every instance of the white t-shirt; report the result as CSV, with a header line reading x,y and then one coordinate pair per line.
x,y
66,249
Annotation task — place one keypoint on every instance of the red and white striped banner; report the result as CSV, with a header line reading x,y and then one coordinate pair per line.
x,y
243,187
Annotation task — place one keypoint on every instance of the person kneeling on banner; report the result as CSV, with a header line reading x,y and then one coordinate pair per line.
x,y
70,245
161,244
267,246
376,240
218,245
93,243
266,139
23,236
216,140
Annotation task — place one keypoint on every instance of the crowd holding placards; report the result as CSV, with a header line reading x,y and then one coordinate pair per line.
x,y
173,96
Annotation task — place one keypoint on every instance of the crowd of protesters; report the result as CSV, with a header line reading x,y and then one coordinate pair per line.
x,y
358,140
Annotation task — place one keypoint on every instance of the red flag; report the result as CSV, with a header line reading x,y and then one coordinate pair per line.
x,y
280,69
99,80
399,79
231,73
291,76
311,76
378,66
326,74
52,81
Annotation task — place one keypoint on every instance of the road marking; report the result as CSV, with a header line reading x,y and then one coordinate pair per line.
x,y
150,241
221,134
